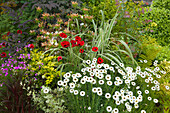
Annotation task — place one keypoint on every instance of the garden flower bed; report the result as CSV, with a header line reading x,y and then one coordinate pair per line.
x,y
95,56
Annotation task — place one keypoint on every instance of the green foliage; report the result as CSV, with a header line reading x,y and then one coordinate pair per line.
x,y
161,4
164,54
108,7
161,29
149,49
52,101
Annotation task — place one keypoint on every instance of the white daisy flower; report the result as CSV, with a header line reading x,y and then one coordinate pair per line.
x,y
74,75
71,90
106,66
66,80
60,83
143,111
136,106
167,87
99,66
150,78
153,88
155,100
124,77
121,65
109,83
64,84
83,81
116,83
149,98
117,93
115,97
75,79
68,75
101,82
92,65
99,89
124,98
133,83
99,93
76,92
83,70
117,102
117,78
46,90
109,108
146,80
94,90
78,75
107,95
145,61
93,81
94,59
115,110
101,76
138,87
120,81
89,108
60,89
72,85
111,68
139,92
82,93
127,81
146,91
88,61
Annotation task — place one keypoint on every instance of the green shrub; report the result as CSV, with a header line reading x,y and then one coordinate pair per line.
x,y
161,4
164,54
161,29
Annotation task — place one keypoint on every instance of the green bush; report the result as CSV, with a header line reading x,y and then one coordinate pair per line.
x,y
161,29
164,54
161,4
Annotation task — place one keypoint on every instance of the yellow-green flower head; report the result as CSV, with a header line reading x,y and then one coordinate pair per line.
x,y
153,24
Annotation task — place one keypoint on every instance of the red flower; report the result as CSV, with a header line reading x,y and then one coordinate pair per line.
x,y
99,60
80,43
0,46
31,46
19,32
81,51
3,44
8,33
63,35
3,54
77,38
73,42
65,44
59,58
95,49
147,3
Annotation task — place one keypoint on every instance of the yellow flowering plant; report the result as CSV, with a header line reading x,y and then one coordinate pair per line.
x,y
42,69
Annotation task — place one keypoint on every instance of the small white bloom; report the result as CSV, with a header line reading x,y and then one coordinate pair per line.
x,y
143,111
101,82
71,90
146,91
121,64
107,95
115,110
99,93
46,90
137,87
109,83
139,92
146,80
60,83
76,92
109,108
81,23
88,61
133,83
167,87
94,90
155,100
89,108
149,98
75,79
153,88
145,61
136,106
117,102
82,93
116,83
72,85
83,81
